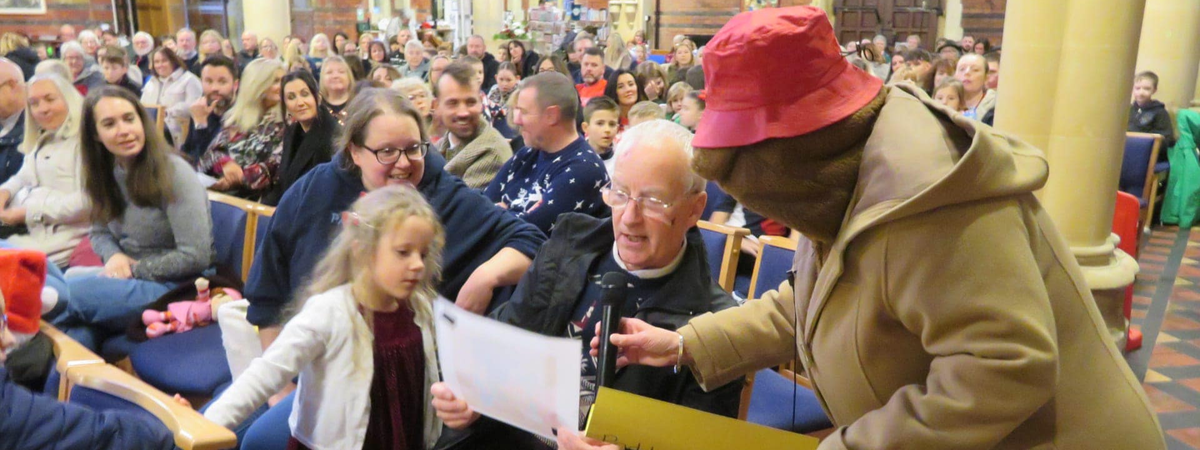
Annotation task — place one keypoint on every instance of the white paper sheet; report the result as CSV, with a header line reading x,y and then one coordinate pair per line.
x,y
512,375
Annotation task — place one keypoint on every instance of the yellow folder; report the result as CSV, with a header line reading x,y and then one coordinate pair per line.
x,y
641,423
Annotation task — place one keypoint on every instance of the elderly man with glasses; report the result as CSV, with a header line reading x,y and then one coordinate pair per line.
x,y
652,239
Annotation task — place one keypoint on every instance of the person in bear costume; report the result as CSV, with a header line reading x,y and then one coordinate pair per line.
x,y
932,303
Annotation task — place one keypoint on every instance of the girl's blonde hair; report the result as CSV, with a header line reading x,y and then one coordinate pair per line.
x,y
11,42
312,49
616,55
957,86
691,46
677,91
208,33
351,256
248,110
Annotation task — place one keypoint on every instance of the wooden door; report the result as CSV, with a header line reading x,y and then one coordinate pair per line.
x,y
896,19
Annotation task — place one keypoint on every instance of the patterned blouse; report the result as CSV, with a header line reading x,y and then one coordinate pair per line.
x,y
258,152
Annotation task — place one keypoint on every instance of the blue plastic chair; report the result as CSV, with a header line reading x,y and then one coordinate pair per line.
x,y
715,195
774,262
775,400
722,246
1141,172
229,218
190,363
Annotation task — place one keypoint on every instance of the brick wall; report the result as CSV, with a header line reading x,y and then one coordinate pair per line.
x,y
693,18
984,18
79,13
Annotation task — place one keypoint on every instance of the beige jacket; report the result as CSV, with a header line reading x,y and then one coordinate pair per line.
x,y
478,161
948,313
50,187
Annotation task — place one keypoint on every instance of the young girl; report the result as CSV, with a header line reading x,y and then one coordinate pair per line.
x,y
149,216
950,93
361,339
675,97
497,98
692,110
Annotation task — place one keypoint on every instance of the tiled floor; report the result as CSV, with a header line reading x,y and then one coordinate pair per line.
x,y
1166,307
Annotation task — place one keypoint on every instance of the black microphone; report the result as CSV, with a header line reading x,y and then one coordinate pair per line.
x,y
614,286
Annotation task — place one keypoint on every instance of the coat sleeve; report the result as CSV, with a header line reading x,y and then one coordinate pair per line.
x,y
299,344
269,285
104,243
1162,125
61,204
192,227
484,162
737,341
983,314
29,420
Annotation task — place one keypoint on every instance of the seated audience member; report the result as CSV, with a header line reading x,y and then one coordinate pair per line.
x,y
950,50
695,77
653,81
308,140
473,149
173,87
185,42
506,81
44,207
416,64
476,66
385,74
950,93
357,67
623,89
85,76
143,44
417,92
554,63
600,125
295,60
267,49
89,42
897,62
920,66
982,46
249,50
616,54
358,393
525,59
33,420
12,119
336,82
219,78
591,69
682,62
658,248
557,172
245,156
377,54
977,100
116,70
16,48
1147,115
150,221
384,144
319,49
437,65
645,111
675,96
692,110
993,63
210,46
943,68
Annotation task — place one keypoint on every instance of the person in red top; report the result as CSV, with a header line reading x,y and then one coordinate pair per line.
x,y
591,69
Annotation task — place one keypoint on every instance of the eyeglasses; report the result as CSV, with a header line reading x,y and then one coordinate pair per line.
x,y
652,207
389,155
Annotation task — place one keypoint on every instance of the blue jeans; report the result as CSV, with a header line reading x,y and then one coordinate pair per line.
x,y
265,428
102,307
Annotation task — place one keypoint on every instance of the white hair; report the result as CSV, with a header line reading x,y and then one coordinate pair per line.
x,y
248,111
86,34
72,46
404,84
70,127
53,66
663,131
143,34
414,44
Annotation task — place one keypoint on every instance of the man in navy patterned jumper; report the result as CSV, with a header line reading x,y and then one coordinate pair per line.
x,y
558,172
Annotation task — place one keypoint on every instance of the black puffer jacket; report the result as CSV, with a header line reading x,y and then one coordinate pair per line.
x,y
26,58
1153,118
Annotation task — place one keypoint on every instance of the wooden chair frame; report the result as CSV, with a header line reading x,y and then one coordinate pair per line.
x,y
192,431
68,354
731,252
160,116
774,241
1150,190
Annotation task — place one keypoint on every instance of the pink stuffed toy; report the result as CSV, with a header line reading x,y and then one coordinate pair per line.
x,y
183,316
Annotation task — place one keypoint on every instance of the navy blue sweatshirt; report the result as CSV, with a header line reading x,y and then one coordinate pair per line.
x,y
538,186
198,139
309,214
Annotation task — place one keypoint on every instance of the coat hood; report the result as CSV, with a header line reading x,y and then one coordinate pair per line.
x,y
944,159
1154,105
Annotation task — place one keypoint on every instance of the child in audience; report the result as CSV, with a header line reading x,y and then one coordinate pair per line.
x,y
116,70
644,111
675,97
1147,115
150,221
950,93
361,338
692,110
497,98
600,124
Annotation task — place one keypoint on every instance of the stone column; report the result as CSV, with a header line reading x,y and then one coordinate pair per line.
x,y
267,18
1073,105
1170,47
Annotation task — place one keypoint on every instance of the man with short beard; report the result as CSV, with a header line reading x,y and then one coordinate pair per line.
x,y
219,76
143,44
591,72
185,41
474,150
575,59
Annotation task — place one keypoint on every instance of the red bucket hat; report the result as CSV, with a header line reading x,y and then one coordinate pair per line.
x,y
774,73
22,275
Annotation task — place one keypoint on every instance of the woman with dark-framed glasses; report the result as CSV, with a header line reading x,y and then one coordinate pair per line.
x,y
384,142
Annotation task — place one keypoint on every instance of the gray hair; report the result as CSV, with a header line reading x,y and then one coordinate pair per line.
x,y
414,45
404,84
663,131
70,127
184,30
86,34
72,46
53,66
143,34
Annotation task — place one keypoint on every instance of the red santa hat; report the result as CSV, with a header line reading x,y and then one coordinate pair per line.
x,y
22,275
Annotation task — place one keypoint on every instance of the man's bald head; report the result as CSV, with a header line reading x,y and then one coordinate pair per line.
x,y
12,89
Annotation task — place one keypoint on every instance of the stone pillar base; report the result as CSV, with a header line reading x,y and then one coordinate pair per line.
x,y
1108,271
